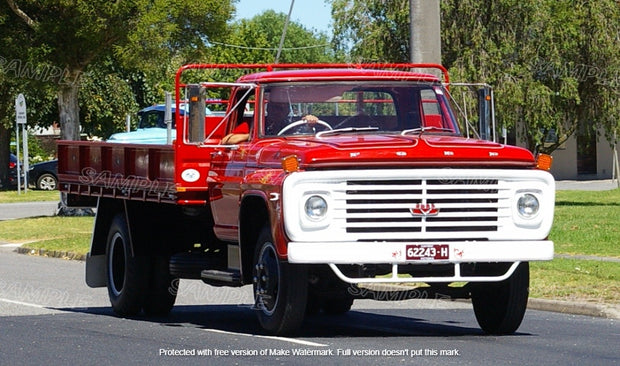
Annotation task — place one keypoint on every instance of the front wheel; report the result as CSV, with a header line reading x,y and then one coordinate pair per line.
x,y
500,306
280,288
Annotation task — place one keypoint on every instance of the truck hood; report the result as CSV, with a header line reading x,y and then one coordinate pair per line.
x,y
366,150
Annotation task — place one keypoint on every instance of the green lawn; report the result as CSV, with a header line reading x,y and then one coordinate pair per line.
x,y
28,196
65,234
587,223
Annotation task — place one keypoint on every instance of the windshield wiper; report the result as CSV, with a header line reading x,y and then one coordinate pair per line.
x,y
421,130
346,130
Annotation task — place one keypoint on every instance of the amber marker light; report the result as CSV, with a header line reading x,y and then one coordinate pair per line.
x,y
290,163
544,161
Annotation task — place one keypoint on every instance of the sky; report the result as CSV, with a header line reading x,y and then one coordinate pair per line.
x,y
312,14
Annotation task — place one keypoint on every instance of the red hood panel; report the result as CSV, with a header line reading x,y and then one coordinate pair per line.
x,y
396,150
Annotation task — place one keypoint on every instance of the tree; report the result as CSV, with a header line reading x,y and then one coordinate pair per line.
x,y
554,64
371,30
256,41
70,35
549,61
18,75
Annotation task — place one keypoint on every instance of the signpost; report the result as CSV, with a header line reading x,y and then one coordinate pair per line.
x,y
20,119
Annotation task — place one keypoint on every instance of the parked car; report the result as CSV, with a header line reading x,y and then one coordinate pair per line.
x,y
12,178
44,175
151,126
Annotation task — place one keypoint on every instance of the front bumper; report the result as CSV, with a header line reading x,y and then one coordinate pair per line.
x,y
395,254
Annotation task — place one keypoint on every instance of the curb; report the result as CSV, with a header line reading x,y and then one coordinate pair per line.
x,y
575,308
51,253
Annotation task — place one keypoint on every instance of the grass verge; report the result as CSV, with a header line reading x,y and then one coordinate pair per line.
x,y
587,223
29,196
576,280
64,234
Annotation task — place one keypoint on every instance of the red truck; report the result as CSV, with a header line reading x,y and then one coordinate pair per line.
x,y
339,178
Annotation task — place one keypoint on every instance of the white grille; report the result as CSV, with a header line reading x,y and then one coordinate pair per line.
x,y
464,208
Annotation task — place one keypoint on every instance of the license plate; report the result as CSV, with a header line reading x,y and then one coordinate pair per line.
x,y
417,252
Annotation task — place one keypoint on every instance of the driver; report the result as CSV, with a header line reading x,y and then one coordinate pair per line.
x,y
279,115
241,133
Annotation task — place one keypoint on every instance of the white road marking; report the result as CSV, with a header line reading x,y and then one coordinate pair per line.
x,y
283,339
23,303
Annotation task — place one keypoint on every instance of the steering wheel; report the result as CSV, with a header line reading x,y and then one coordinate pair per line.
x,y
303,122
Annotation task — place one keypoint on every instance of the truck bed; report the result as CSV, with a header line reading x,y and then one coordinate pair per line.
x,y
125,171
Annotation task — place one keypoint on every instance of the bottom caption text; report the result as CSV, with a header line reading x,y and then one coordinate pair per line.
x,y
309,352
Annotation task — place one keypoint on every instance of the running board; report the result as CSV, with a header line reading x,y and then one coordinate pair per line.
x,y
221,278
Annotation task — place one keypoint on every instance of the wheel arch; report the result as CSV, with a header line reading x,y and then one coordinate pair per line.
x,y
253,216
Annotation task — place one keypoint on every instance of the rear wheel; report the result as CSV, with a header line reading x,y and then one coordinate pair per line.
x,y
280,288
126,273
500,306
163,287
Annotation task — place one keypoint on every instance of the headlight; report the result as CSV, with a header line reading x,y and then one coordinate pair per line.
x,y
528,206
316,208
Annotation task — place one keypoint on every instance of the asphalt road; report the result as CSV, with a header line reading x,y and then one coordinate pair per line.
x,y
49,316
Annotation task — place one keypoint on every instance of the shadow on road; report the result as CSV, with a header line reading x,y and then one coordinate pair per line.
x,y
354,324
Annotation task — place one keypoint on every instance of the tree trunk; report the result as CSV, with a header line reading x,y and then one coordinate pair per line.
x,y
68,108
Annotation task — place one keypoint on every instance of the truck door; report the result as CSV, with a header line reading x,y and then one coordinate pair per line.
x,y
228,168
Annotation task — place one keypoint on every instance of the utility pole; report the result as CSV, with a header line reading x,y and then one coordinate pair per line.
x,y
425,27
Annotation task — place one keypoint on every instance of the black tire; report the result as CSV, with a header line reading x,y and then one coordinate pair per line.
x,y
127,274
163,288
280,288
47,182
500,306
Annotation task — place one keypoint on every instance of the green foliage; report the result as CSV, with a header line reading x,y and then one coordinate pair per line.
x,y
106,98
371,30
546,60
256,40
68,36
554,64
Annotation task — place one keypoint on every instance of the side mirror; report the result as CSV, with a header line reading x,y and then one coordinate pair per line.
x,y
485,121
197,114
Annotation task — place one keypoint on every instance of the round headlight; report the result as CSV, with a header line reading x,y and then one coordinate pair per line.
x,y
316,207
528,206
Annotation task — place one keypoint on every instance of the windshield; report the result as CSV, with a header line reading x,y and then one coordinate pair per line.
x,y
377,107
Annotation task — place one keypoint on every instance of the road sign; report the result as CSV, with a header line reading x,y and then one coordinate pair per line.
x,y
20,109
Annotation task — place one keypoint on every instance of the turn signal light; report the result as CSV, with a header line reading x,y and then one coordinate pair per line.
x,y
290,164
544,161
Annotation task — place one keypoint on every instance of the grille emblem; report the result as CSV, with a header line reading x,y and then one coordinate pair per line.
x,y
424,209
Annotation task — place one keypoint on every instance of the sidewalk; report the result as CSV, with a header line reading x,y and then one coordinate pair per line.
x,y
10,211
586,185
